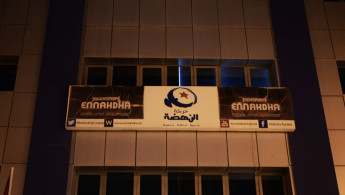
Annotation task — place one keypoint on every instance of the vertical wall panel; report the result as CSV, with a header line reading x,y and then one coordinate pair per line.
x,y
89,149
99,13
120,149
17,145
152,43
335,15
97,42
22,113
206,44
256,14
327,72
28,73
126,13
212,149
3,133
38,12
242,149
230,13
181,149
151,149
338,146
334,112
125,42
34,39
11,39
179,43
15,12
152,13
233,44
338,40
5,105
321,42
205,13
260,48
340,172
179,13
272,150
316,15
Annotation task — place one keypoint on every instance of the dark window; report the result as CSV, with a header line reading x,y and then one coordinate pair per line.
x,y
179,76
97,76
341,71
152,76
88,184
232,77
272,185
181,184
260,78
7,77
242,183
150,185
125,75
206,77
120,183
212,185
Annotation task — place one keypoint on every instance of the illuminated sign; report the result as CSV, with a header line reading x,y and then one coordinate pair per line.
x,y
179,108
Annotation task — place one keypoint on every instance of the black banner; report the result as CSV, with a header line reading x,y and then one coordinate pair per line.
x,y
105,102
255,103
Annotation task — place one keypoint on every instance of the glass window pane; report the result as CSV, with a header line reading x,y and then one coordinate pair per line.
x,y
242,183
152,76
97,76
233,77
206,77
150,185
125,75
341,72
179,76
260,78
120,183
88,184
7,77
272,185
212,185
181,184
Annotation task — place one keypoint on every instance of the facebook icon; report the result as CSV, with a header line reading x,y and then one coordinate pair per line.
x,y
263,124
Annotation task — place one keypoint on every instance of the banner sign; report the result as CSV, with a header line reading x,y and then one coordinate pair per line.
x,y
179,108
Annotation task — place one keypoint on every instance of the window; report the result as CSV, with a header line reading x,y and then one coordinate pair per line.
x,y
171,75
8,72
185,183
341,71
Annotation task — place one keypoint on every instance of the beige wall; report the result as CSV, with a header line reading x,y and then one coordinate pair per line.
x,y
22,32
327,30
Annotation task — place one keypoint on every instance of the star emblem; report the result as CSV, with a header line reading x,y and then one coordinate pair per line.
x,y
183,94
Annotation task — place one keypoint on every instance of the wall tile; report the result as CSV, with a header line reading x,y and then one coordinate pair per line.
x,y
2,5
260,45
212,149
11,39
23,109
335,15
180,43
5,105
340,174
34,39
28,73
15,12
321,42
17,145
125,42
3,133
256,14
336,139
18,177
272,150
120,149
38,12
126,13
334,112
151,149
97,42
179,13
206,44
89,149
152,43
181,149
242,150
233,44
152,13
327,72
230,13
205,13
316,15
99,13
338,40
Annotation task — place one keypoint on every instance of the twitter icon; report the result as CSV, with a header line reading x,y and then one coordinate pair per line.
x,y
71,122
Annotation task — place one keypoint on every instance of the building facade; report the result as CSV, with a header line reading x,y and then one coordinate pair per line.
x,y
46,46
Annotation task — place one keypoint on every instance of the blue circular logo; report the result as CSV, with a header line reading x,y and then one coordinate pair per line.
x,y
180,97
